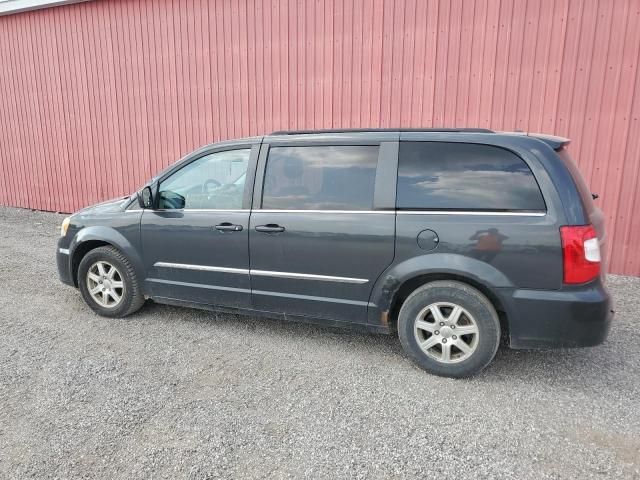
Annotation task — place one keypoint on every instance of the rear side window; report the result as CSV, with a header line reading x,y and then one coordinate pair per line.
x,y
320,178
464,176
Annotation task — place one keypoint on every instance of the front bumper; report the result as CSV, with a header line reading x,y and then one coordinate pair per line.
x,y
570,317
63,259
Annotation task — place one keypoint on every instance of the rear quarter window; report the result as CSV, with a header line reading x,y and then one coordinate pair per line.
x,y
578,179
463,176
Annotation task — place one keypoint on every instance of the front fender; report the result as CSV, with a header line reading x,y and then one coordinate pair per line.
x,y
448,264
111,236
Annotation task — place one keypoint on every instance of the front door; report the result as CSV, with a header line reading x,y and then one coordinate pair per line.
x,y
196,243
317,244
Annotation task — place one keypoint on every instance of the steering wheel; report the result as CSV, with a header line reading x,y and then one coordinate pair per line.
x,y
211,182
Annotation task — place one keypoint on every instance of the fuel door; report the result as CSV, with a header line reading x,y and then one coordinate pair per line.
x,y
428,239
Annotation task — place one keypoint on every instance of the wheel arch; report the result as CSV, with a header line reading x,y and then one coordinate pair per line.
x,y
90,238
397,283
79,253
411,284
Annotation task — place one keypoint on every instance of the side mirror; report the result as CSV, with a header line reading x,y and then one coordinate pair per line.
x,y
180,202
169,200
145,198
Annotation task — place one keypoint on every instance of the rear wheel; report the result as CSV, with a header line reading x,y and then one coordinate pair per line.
x,y
108,283
449,328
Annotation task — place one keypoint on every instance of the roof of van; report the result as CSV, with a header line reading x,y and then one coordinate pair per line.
x,y
553,141
374,130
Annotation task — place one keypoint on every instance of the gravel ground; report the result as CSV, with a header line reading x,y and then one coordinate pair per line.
x,y
179,393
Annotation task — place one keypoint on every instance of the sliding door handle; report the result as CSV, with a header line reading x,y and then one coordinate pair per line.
x,y
270,228
228,227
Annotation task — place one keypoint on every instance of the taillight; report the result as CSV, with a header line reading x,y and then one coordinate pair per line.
x,y
580,253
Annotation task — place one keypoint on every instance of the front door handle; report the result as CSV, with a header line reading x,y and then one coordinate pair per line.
x,y
269,228
228,227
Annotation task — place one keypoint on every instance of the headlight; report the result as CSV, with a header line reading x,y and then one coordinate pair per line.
x,y
64,226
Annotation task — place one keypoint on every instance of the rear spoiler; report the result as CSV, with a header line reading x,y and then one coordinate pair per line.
x,y
557,143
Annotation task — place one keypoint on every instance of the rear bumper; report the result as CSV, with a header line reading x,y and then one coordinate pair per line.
x,y
63,259
569,317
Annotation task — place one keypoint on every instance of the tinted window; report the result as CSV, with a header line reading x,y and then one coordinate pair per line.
x,y
583,188
215,181
320,178
441,176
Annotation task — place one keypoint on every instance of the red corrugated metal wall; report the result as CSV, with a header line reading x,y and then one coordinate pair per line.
x,y
95,97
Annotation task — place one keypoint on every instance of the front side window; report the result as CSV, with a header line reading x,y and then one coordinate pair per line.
x,y
215,181
464,176
320,178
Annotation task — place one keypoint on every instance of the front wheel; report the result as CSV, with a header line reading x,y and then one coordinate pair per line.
x,y
108,283
449,329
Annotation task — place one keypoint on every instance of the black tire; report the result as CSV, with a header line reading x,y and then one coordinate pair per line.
x,y
132,296
471,300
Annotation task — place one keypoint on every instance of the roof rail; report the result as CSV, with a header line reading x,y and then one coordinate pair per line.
x,y
365,130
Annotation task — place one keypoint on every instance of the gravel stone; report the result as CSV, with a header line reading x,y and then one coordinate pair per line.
x,y
180,393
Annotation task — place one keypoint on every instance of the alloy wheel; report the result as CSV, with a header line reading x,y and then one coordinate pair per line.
x,y
105,284
446,332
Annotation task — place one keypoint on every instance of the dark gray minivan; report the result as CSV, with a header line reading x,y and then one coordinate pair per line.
x,y
452,238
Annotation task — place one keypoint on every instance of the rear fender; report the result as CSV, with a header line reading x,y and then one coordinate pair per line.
x,y
445,265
